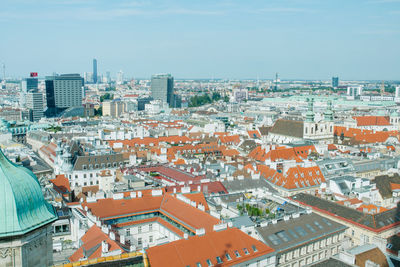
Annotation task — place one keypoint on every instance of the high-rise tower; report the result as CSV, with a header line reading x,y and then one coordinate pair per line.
x,y
62,92
94,70
162,88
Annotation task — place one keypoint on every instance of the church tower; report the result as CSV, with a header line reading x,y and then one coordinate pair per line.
x,y
309,124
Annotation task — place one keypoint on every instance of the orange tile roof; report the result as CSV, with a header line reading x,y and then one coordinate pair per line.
x,y
199,249
371,208
190,216
282,153
372,120
365,136
198,198
229,139
92,238
394,186
254,134
295,178
61,183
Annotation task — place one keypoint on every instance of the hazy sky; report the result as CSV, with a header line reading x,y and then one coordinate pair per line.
x,y
308,39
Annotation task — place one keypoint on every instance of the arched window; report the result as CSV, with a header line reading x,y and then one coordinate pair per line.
x,y
312,130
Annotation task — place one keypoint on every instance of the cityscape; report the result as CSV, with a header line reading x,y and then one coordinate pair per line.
x,y
231,155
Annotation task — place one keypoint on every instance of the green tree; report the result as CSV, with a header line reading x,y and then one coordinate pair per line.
x,y
106,96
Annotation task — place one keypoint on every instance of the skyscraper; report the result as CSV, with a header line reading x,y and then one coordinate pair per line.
x,y
27,85
335,81
94,70
34,102
162,88
120,77
62,92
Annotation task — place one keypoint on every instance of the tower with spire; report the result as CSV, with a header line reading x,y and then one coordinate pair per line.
x,y
321,131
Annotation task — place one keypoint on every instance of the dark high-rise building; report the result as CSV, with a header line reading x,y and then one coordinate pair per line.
x,y
62,92
335,81
162,88
94,70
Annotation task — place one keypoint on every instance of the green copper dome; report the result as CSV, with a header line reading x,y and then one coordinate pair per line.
x,y
22,205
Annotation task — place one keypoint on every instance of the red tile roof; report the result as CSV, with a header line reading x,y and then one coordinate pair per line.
x,y
61,184
199,249
372,120
295,178
254,134
92,238
185,214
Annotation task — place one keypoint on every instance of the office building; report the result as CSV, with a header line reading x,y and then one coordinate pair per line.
x,y
27,84
354,91
335,81
34,102
88,77
162,88
94,70
62,92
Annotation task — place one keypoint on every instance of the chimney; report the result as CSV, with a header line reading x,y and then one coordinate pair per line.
x,y
104,246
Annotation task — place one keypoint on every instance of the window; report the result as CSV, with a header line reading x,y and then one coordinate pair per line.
x,y
85,184
198,264
209,263
128,231
151,227
219,260
246,251
84,176
91,175
254,248
139,241
228,257
139,229
237,254
151,239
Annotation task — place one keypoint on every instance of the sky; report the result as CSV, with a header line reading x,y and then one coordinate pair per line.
x,y
229,39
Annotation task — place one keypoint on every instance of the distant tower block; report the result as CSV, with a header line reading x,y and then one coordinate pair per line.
x,y
382,88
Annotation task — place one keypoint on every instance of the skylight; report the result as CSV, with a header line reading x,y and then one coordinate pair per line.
x,y
246,251
209,263
219,260
310,228
300,231
254,248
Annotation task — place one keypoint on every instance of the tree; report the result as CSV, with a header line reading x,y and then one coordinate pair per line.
x,y
106,96
99,111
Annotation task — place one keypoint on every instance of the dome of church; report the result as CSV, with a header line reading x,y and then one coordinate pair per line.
x,y
22,205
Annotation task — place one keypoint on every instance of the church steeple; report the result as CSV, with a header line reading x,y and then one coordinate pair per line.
x,y
328,114
310,112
